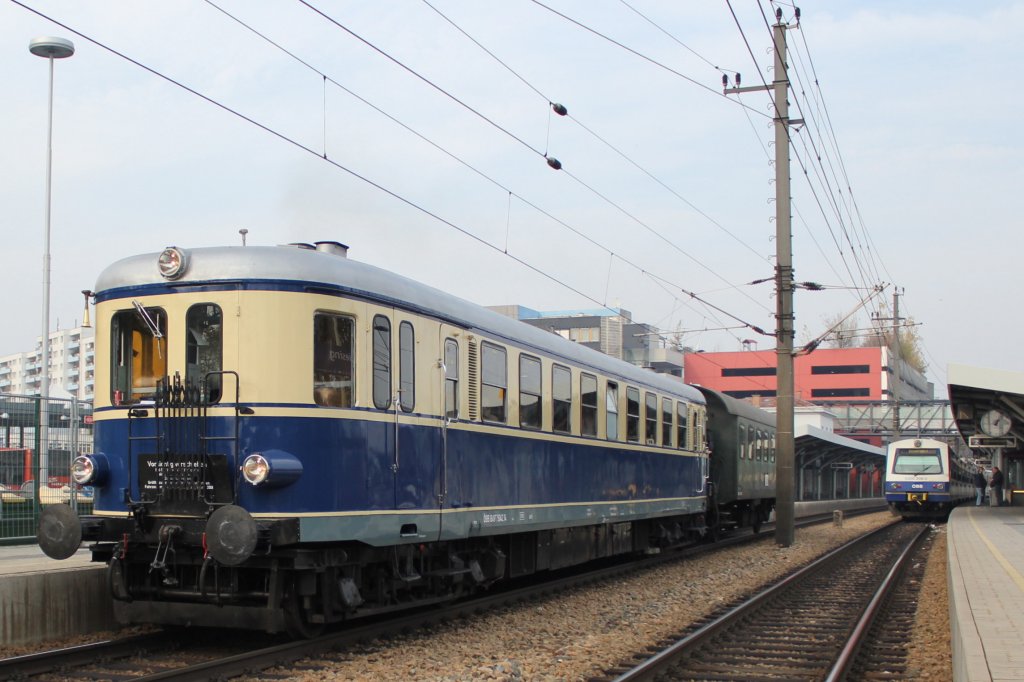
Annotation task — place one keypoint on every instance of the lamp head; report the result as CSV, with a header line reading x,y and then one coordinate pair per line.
x,y
51,47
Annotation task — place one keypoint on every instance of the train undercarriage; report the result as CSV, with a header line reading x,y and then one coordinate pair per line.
x,y
170,574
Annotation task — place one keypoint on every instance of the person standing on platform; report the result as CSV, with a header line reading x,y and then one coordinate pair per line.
x,y
979,486
997,486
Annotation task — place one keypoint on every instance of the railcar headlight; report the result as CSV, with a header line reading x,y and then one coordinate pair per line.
x,y
90,469
272,468
172,262
255,469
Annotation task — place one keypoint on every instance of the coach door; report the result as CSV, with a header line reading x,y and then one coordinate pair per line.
x,y
449,382
382,428
417,451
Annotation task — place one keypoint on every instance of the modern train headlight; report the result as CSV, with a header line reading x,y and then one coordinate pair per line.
x,y
90,469
271,468
172,262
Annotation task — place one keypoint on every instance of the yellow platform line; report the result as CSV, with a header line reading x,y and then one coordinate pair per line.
x,y
1003,561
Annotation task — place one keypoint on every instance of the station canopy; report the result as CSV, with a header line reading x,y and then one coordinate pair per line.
x,y
983,401
820,449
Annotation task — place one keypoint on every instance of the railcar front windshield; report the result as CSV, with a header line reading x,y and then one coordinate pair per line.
x,y
917,461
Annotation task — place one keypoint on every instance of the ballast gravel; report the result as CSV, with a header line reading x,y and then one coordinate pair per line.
x,y
579,634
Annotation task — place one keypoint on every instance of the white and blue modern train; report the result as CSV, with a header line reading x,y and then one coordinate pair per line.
x,y
286,437
925,478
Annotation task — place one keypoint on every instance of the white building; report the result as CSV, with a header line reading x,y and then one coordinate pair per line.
x,y
72,366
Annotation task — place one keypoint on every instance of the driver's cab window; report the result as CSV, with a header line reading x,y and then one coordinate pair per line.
x,y
139,349
203,348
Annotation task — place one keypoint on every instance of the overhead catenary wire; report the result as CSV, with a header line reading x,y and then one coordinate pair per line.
x,y
554,163
281,136
553,105
612,253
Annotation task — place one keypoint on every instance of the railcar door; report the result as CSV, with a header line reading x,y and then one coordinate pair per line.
x,y
451,382
417,441
382,426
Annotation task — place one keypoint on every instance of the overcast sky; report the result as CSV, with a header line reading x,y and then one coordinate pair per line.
x,y
914,109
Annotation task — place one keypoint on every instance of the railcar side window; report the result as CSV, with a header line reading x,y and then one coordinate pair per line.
x,y
139,350
204,344
773,447
451,379
493,383
666,422
406,367
651,410
381,362
333,353
682,417
612,411
561,399
530,415
632,414
588,405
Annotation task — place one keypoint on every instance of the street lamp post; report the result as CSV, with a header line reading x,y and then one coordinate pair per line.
x,y
50,48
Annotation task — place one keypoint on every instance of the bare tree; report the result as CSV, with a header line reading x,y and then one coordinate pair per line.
x,y
843,332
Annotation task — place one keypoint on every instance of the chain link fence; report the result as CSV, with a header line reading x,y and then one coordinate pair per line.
x,y
38,442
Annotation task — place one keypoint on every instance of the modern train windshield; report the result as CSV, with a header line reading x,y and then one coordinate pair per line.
x,y
917,461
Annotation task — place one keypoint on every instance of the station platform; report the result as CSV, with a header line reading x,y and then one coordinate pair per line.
x,y
41,598
986,592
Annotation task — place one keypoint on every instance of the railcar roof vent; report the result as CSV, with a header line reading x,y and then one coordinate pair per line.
x,y
334,248
301,245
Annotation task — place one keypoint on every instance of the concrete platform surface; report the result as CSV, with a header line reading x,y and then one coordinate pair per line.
x,y
41,598
986,592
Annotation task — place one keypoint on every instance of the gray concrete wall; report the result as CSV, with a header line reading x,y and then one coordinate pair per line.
x,y
46,605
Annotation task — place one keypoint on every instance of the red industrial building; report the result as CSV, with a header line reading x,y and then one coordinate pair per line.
x,y
826,375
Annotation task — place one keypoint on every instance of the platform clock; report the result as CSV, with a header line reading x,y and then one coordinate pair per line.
x,y
995,423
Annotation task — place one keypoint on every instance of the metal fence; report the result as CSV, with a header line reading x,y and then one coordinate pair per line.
x,y
38,442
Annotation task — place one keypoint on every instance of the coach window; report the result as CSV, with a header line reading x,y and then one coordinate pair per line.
x,y
588,405
494,383
632,414
451,379
139,354
381,362
773,447
682,414
611,401
530,414
333,352
561,399
406,367
204,330
651,418
760,445
666,422
742,441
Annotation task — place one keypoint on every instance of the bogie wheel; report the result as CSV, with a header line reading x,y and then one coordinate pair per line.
x,y
297,617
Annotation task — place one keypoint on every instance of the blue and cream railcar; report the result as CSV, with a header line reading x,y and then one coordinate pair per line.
x,y
925,478
742,442
285,437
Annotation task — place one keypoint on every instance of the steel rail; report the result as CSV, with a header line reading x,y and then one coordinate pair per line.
x,y
848,654
665,659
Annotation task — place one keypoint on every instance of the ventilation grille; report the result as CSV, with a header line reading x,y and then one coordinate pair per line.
x,y
473,379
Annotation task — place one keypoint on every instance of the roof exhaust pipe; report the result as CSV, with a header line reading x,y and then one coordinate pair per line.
x,y
333,248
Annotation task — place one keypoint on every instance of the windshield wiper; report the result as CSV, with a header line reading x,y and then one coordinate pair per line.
x,y
153,329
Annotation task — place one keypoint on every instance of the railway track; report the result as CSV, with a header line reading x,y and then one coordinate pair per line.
x,y
811,625
212,654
